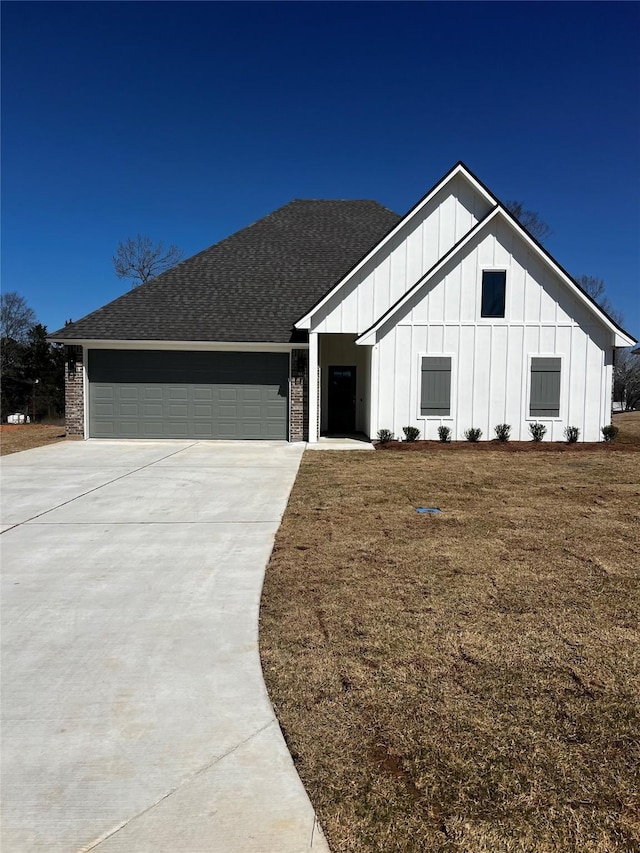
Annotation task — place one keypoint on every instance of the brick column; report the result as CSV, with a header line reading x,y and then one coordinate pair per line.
x,y
74,391
299,396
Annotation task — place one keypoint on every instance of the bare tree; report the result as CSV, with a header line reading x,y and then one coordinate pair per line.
x,y
16,318
596,289
529,219
626,379
139,260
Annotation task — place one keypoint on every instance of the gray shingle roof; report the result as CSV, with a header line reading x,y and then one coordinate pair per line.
x,y
253,285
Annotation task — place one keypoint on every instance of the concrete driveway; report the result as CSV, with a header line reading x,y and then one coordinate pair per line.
x,y
135,717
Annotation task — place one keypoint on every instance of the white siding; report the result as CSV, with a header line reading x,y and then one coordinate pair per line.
x,y
425,238
491,357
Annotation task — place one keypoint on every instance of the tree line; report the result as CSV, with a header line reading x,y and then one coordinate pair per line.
x,y
32,367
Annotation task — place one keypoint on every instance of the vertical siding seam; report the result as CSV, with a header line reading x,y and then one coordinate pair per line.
x,y
458,360
456,210
524,371
412,408
603,379
375,351
586,384
394,385
489,390
569,373
506,380
473,376
555,350
406,266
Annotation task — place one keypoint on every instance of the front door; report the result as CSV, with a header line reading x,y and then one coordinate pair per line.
x,y
341,415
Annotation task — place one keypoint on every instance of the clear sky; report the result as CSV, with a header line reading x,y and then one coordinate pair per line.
x,y
187,121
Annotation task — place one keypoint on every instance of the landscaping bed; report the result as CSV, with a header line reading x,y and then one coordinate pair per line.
x,y
628,439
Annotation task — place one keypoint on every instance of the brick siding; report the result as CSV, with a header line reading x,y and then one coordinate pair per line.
x,y
74,393
299,396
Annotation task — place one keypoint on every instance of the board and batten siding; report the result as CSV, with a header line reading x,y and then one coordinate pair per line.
x,y
491,358
417,246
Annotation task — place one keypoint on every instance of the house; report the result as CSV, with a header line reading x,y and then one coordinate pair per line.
x,y
343,317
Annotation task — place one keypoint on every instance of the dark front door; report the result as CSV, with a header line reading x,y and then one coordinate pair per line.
x,y
341,416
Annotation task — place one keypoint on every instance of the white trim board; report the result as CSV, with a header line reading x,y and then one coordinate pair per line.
x,y
235,346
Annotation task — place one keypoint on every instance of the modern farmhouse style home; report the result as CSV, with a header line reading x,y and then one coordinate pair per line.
x,y
343,317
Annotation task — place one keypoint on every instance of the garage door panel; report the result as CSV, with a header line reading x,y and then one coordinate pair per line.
x,y
152,392
130,429
178,392
178,410
187,395
203,430
152,429
227,395
152,410
251,431
203,394
105,410
179,429
203,412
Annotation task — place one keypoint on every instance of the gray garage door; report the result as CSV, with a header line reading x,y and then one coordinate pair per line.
x,y
157,394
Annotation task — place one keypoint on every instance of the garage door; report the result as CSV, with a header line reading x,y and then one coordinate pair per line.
x,y
158,394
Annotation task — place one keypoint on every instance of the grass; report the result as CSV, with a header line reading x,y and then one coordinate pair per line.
x,y
17,437
467,682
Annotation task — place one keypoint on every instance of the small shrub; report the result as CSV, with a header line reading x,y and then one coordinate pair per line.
x,y
444,433
538,431
473,434
385,435
609,432
411,433
503,432
571,434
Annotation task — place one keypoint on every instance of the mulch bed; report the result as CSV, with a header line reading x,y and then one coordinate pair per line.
x,y
506,446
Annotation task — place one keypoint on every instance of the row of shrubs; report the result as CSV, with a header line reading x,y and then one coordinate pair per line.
x,y
503,433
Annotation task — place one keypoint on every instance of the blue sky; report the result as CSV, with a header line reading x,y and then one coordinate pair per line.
x,y
187,121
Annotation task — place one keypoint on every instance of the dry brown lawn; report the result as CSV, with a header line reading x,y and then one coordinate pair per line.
x,y
467,682
16,437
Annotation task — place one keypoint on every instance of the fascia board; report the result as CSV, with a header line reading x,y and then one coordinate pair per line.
x,y
458,169
367,338
236,346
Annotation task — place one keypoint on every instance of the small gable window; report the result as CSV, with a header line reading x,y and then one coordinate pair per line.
x,y
435,387
494,284
545,388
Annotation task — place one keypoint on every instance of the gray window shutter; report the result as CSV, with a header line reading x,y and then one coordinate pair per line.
x,y
435,391
545,388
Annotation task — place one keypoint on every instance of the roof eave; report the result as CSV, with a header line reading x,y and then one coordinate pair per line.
x,y
112,343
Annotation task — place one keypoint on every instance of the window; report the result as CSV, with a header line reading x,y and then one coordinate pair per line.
x,y
435,387
493,293
545,388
